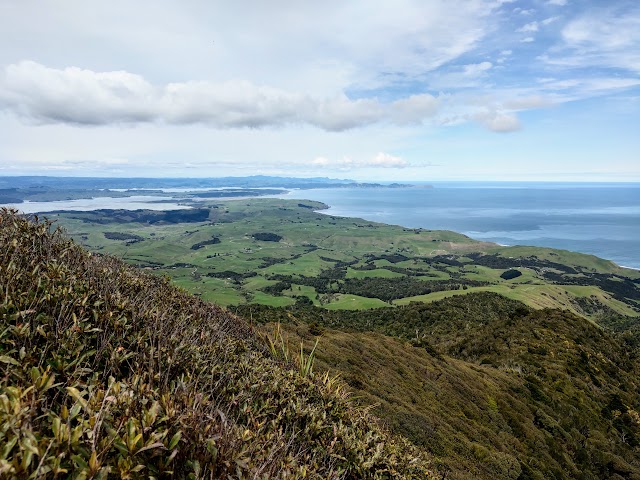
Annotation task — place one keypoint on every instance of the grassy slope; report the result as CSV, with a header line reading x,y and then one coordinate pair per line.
x,y
536,296
110,372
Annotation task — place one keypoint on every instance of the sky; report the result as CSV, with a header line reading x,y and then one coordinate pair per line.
x,y
370,90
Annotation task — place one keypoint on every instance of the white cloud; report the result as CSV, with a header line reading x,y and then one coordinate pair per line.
x,y
604,38
316,47
341,113
414,109
559,3
527,40
575,89
476,69
529,27
527,103
550,20
504,54
381,160
387,161
605,30
500,122
471,75
75,96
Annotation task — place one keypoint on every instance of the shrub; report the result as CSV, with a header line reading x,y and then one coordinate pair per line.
x,y
267,237
510,274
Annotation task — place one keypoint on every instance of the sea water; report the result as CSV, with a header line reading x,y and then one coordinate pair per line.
x,y
597,218
147,202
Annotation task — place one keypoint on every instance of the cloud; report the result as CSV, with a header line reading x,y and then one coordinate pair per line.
x,y
533,27
606,30
381,160
74,95
550,20
529,27
476,69
414,109
320,48
559,3
500,122
603,38
504,54
578,88
45,95
528,103
387,161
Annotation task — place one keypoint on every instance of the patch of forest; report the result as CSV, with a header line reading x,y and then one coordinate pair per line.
x,y
234,276
213,241
267,237
500,262
406,322
106,216
334,280
127,237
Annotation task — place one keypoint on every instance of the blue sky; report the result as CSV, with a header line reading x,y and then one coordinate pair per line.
x,y
371,90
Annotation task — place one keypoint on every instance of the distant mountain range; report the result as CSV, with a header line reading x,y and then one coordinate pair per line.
x,y
105,182
46,189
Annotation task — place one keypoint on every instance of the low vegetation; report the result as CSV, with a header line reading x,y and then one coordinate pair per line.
x,y
491,388
488,386
112,373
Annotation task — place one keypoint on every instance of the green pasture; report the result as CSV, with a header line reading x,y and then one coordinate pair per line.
x,y
312,243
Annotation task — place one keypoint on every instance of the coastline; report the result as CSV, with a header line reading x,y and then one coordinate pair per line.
x,y
601,220
441,208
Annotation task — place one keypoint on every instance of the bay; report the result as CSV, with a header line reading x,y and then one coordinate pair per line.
x,y
599,219
139,202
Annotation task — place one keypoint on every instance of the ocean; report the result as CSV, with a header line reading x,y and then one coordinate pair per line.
x,y
596,218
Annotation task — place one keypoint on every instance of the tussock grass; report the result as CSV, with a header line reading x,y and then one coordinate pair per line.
x,y
109,372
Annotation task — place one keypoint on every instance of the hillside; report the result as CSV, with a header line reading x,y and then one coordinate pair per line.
x,y
220,251
111,372
133,376
489,387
